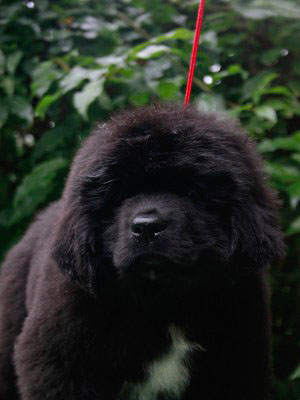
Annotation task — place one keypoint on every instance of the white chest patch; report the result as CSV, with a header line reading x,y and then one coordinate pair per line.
x,y
169,374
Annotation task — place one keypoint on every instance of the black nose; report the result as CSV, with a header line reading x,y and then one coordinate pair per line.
x,y
147,227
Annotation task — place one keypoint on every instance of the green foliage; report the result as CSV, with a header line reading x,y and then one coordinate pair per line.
x,y
65,64
35,188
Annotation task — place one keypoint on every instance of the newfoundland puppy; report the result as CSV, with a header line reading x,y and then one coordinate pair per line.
x,y
147,279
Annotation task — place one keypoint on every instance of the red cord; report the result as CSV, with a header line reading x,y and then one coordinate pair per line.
x,y
194,53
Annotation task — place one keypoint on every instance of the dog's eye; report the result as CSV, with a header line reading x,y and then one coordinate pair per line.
x,y
97,185
94,177
215,190
222,184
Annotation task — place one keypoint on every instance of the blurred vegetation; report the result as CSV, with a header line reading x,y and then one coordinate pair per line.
x,y
65,64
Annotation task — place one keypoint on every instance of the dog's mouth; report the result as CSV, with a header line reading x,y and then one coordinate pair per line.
x,y
154,266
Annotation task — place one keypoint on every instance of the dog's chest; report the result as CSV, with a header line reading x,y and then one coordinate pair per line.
x,y
169,375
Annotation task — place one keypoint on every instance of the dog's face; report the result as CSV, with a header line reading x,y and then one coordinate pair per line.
x,y
166,232
164,194
160,229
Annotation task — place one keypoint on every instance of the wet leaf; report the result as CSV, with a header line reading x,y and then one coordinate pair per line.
x,y
89,93
13,61
35,188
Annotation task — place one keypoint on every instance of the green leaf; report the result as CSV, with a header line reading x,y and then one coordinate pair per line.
x,y
5,215
210,102
105,101
279,90
88,94
282,143
3,113
168,89
278,103
78,75
139,99
73,79
13,61
31,24
282,173
59,137
2,62
294,193
261,9
296,373
35,188
233,69
152,51
8,85
270,57
180,33
266,112
255,87
296,157
110,60
43,76
236,111
45,103
22,108
292,230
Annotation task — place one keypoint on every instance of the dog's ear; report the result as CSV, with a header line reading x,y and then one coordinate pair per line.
x,y
77,234
256,235
73,247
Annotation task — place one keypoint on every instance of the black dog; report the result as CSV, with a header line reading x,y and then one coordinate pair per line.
x,y
146,280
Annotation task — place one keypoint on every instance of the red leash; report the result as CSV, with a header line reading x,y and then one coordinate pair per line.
x,y
194,53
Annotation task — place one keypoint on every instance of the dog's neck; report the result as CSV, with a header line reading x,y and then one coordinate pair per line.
x,y
169,374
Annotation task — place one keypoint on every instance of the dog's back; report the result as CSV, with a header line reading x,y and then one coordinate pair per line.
x,y
15,294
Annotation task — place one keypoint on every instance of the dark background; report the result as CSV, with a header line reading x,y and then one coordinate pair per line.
x,y
65,64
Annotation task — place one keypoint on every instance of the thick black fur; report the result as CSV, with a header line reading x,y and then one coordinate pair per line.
x,y
85,305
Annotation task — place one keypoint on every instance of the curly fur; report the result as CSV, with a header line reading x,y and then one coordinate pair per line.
x,y
85,308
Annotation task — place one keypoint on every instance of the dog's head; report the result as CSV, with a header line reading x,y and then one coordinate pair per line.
x,y
162,193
